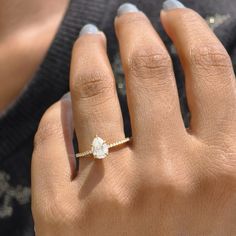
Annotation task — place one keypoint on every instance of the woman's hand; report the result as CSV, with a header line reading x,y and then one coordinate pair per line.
x,y
168,180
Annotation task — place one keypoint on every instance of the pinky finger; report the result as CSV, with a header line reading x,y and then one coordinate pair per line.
x,y
52,165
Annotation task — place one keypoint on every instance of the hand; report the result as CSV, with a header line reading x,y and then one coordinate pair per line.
x,y
168,180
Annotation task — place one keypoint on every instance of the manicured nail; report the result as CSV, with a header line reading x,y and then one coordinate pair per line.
x,y
66,96
172,4
89,29
126,8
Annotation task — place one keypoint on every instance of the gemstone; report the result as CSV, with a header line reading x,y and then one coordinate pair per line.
x,y
99,148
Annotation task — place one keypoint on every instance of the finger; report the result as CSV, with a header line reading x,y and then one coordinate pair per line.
x,y
151,88
52,165
210,81
96,108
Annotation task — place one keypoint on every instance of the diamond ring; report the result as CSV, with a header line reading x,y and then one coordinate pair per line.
x,y
100,149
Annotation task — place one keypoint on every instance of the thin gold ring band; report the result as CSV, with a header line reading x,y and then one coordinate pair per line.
x,y
100,149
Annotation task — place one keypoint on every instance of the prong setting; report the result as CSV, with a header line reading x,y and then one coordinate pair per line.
x,y
100,148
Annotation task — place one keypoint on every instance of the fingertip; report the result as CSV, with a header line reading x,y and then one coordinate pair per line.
x,y
127,19
91,30
66,97
84,40
164,20
104,38
172,5
162,15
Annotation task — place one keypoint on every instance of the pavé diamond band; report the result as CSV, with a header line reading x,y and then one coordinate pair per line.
x,y
100,149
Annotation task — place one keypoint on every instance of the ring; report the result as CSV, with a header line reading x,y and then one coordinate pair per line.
x,y
100,149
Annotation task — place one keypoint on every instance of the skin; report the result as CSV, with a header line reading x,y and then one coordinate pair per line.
x,y
22,24
168,180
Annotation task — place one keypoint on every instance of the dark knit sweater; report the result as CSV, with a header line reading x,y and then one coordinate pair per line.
x,y
19,124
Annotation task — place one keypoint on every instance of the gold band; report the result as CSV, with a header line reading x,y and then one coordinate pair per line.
x,y
100,148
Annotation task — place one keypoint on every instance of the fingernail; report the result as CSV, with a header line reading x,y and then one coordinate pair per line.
x,y
66,96
126,8
89,29
172,4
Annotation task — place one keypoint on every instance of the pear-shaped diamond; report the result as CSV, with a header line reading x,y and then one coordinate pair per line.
x,y
99,148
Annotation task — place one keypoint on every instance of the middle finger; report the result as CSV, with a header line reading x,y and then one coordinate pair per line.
x,y
151,88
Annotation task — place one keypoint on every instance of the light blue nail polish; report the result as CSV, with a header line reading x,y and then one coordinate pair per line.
x,y
89,29
66,96
126,8
172,4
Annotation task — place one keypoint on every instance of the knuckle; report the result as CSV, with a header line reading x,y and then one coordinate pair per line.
x,y
210,60
89,85
224,165
178,182
172,180
221,172
46,131
149,63
48,127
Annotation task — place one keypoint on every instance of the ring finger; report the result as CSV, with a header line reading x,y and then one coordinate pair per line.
x,y
95,104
